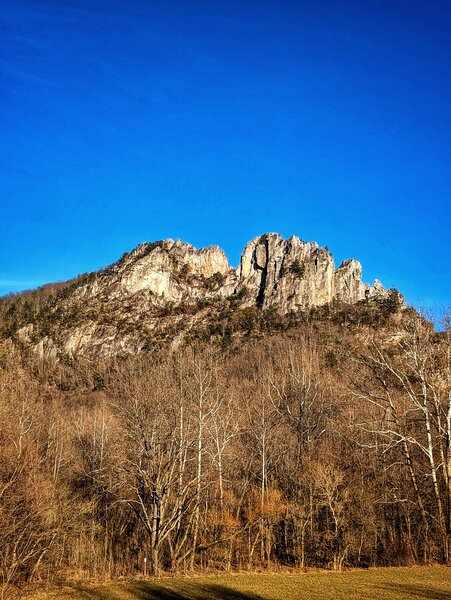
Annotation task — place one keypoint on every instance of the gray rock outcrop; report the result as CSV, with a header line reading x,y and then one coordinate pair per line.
x,y
161,289
292,275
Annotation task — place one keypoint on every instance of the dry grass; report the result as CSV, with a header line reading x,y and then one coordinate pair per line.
x,y
417,583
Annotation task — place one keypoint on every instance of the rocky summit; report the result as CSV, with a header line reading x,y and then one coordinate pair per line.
x,y
162,291
293,275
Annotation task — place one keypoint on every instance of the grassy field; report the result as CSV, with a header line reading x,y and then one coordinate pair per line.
x,y
417,583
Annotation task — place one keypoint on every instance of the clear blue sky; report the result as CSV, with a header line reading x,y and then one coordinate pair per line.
x,y
213,122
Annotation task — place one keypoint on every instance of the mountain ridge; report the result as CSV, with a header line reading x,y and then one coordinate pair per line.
x,y
163,290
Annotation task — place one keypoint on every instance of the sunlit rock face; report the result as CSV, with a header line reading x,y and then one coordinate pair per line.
x,y
166,270
292,275
288,275
162,290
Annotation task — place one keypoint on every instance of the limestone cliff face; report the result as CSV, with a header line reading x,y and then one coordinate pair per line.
x,y
161,290
293,275
288,275
168,271
161,270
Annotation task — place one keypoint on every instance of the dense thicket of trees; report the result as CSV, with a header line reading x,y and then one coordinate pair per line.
x,y
327,445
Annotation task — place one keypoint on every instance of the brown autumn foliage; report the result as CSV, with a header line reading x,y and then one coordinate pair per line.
x,y
326,444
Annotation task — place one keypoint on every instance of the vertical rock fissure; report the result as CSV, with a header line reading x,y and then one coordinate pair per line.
x,y
262,288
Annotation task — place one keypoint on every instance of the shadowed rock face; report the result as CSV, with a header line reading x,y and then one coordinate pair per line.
x,y
166,287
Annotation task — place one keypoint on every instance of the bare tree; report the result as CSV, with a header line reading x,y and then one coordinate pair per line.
x,y
410,396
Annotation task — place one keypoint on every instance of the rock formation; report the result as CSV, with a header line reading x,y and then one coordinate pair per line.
x,y
163,288
292,275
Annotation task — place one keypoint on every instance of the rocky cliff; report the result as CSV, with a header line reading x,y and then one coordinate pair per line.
x,y
292,275
162,290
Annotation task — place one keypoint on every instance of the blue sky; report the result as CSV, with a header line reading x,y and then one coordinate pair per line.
x,y
214,122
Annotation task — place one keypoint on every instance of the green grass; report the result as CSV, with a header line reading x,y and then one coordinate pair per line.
x,y
416,583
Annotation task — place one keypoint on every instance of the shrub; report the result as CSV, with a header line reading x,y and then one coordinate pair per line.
x,y
215,281
297,268
184,272
393,303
